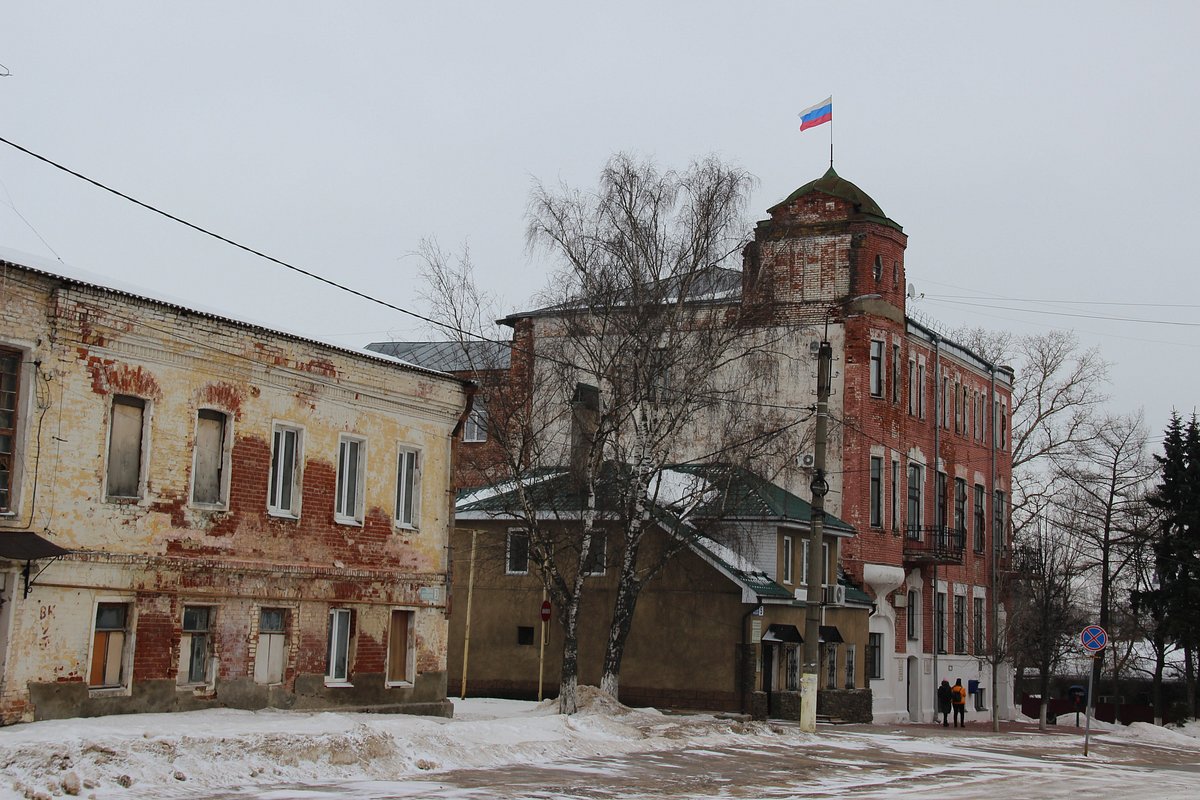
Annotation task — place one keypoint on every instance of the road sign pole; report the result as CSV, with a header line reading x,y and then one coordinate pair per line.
x,y
1088,725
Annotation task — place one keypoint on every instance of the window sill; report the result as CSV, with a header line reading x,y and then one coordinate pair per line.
x,y
108,691
400,526
399,684
330,684
209,507
277,514
123,501
350,521
526,572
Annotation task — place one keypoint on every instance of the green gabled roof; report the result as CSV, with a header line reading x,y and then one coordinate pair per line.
x,y
741,494
836,186
740,569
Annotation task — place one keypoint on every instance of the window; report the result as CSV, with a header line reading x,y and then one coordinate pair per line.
x,y
912,386
408,488
877,272
352,467
980,701
271,650
850,649
1003,426
792,661
895,274
337,653
957,409
400,647
945,407
524,635
960,623
824,566
283,494
895,495
108,646
914,500
914,615
195,645
960,504
921,391
876,504
939,621
476,428
999,531
995,422
125,435
979,518
10,382
787,559
597,557
979,627
939,501
516,559
209,462
876,369
874,656
896,374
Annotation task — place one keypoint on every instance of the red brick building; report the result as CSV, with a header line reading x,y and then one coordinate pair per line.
x,y
918,459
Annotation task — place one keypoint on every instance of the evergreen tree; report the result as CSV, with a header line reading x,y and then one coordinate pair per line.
x,y
1178,554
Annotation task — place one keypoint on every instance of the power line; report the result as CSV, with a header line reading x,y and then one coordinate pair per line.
x,y
1057,301
1108,318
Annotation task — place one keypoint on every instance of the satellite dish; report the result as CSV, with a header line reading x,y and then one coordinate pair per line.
x,y
912,291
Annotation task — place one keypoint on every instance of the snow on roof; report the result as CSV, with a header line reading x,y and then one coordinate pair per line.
x,y
60,269
681,491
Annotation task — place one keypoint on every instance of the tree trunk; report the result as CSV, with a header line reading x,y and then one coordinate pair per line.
x,y
568,697
1160,660
1189,665
618,631
1044,690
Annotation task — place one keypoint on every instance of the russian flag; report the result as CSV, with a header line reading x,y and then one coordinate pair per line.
x,y
816,115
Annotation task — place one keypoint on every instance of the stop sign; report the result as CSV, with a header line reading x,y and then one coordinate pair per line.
x,y
545,611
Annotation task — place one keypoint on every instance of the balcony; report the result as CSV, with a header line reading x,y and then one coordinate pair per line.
x,y
934,545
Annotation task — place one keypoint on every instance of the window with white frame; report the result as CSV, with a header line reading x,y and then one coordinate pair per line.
x,y
351,474
195,645
979,626
787,559
874,656
400,648
283,493
875,506
475,429
939,621
270,652
895,496
10,384
210,461
914,500
516,556
337,653
876,368
914,615
126,432
408,488
110,637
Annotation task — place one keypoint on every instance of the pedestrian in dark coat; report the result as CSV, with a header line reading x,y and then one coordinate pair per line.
x,y
943,703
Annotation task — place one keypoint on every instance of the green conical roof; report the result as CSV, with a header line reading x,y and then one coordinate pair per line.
x,y
833,184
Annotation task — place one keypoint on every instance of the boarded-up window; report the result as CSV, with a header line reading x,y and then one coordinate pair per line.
x,y
272,650
400,655
10,365
125,446
208,477
108,645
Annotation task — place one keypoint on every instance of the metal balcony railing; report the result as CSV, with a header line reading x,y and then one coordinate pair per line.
x,y
937,544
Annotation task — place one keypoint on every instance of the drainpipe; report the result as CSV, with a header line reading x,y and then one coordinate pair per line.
x,y
995,615
937,430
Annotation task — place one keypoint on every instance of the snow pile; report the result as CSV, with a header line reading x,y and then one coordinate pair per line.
x,y
157,755
1153,734
1189,727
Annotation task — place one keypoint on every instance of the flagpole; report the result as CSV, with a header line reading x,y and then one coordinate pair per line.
x,y
831,134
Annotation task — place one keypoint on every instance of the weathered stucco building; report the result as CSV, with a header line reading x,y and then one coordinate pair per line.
x,y
196,511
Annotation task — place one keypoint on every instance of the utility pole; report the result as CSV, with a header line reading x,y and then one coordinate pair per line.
x,y
816,566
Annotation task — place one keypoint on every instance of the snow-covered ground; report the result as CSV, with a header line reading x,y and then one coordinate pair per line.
x,y
277,754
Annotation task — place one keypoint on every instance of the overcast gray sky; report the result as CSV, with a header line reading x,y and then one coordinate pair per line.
x,y
1032,151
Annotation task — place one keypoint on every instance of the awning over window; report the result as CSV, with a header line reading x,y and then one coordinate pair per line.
x,y
830,633
786,634
26,546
